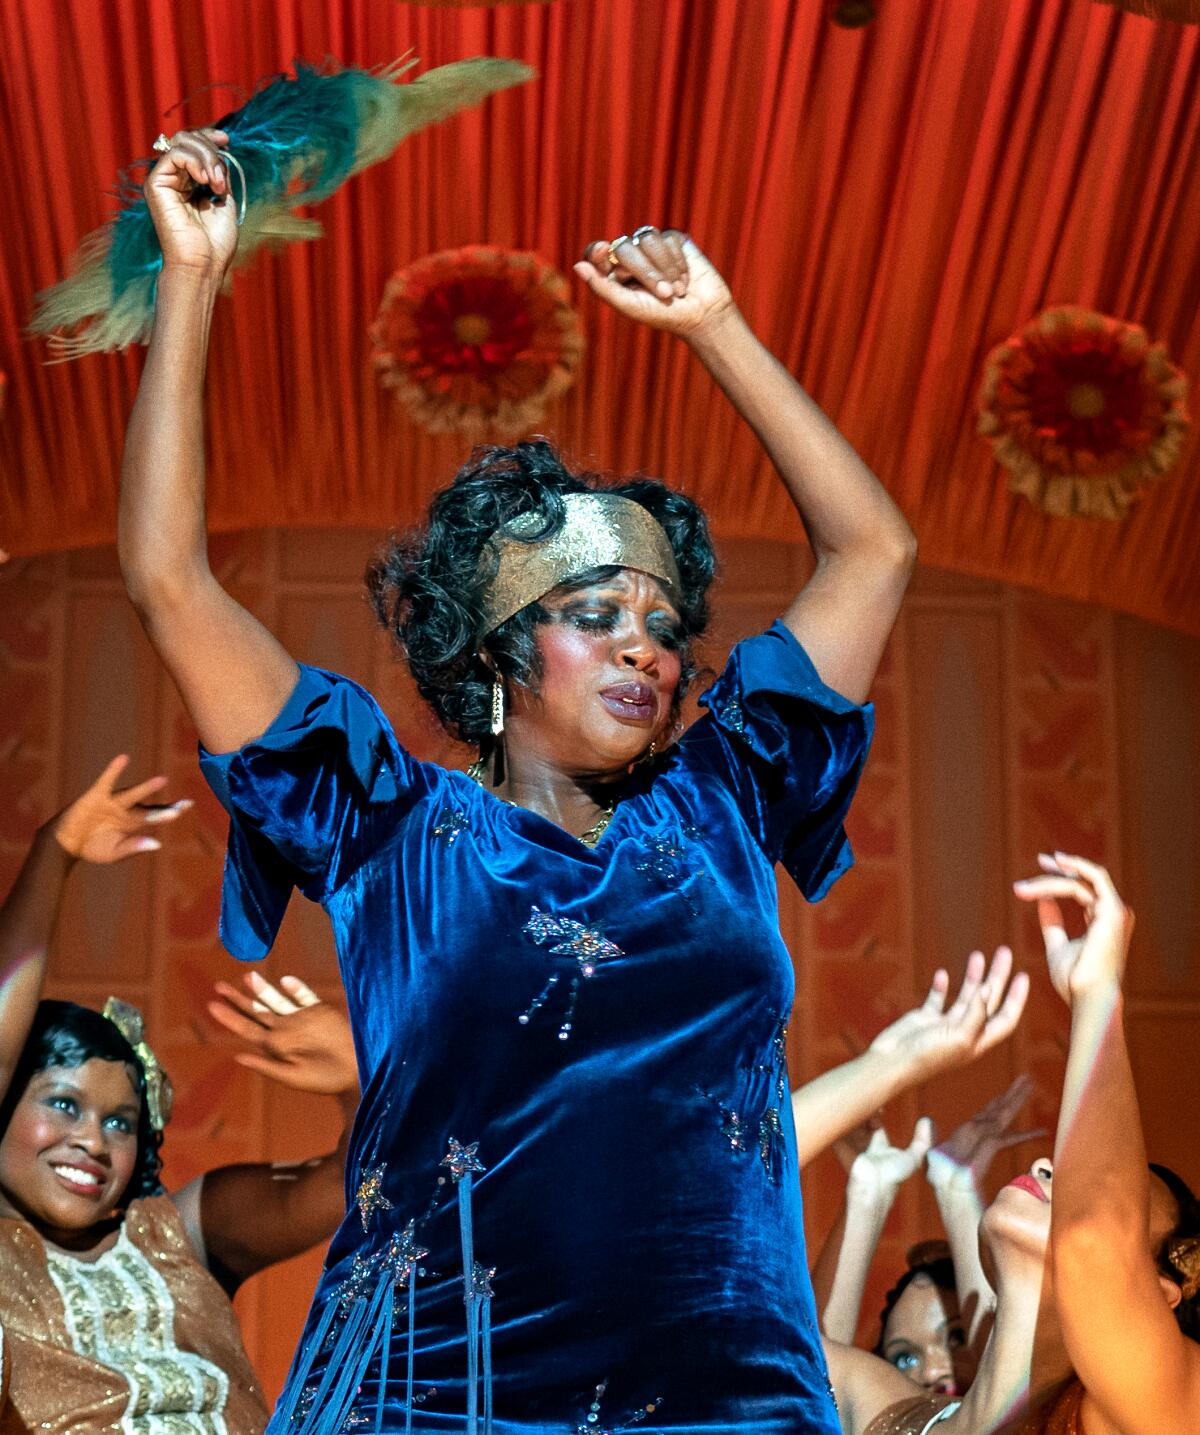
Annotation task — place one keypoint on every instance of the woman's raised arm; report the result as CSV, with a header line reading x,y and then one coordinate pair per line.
x,y
1139,1369
232,674
244,1218
104,824
863,546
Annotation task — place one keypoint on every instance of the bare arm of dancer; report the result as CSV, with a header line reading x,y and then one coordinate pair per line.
x,y
864,548
103,825
875,1176
1140,1372
244,1218
923,1042
232,674
956,1169
864,1385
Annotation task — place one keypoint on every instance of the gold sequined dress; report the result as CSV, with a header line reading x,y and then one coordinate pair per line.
x,y
919,1416
141,1340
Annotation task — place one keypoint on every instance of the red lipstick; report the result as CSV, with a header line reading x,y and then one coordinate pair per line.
x,y
1027,1183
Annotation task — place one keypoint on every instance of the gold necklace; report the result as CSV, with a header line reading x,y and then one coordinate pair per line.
x,y
477,772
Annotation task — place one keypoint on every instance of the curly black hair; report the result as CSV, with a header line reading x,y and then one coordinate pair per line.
x,y
67,1034
1187,1312
425,586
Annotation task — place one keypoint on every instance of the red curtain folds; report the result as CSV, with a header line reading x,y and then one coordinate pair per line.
x,y
888,203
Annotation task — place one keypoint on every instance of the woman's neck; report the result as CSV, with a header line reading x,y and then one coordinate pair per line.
x,y
1024,1365
84,1244
574,801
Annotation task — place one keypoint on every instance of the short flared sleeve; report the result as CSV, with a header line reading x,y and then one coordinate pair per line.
x,y
790,749
302,800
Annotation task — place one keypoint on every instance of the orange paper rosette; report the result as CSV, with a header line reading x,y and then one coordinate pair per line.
x,y
1083,411
478,340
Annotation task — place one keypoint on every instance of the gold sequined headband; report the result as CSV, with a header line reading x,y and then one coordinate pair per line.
x,y
1184,1255
600,529
159,1093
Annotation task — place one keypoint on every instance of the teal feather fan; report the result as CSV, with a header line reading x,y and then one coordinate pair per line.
x,y
298,139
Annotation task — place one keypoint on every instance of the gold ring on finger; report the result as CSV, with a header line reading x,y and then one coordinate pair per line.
x,y
613,261
162,144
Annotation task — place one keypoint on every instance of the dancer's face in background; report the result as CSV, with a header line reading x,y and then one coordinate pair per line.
x,y
611,662
924,1338
71,1147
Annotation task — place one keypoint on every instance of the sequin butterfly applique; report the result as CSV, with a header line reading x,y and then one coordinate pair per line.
x,y
570,938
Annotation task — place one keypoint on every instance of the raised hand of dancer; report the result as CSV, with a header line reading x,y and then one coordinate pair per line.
x,y
920,1044
863,547
933,1038
188,195
876,1170
289,1034
881,1167
658,277
1096,960
243,1218
106,823
956,1169
232,674
964,1157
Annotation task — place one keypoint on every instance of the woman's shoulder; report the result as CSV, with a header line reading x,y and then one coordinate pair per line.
x,y
155,1225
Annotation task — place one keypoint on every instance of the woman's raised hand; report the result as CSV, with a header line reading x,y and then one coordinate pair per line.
x,y
106,823
881,1168
290,1035
1097,959
189,198
963,1159
933,1038
658,277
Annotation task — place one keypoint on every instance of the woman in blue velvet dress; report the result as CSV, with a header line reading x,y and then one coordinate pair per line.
x,y
574,1203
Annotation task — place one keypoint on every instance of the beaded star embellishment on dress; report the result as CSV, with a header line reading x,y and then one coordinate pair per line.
x,y
588,946
370,1197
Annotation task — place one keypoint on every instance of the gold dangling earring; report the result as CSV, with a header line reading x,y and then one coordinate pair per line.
x,y
645,757
497,708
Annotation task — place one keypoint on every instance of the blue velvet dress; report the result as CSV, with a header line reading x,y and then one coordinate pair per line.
x,y
573,1202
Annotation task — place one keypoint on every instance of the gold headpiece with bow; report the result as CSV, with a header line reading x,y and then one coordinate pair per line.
x,y
1184,1255
160,1095
600,530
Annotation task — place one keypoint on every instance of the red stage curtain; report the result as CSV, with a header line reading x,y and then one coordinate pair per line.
x,y
888,203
